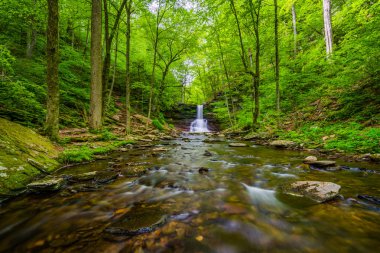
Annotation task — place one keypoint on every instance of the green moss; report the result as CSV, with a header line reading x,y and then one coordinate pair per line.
x,y
86,153
17,145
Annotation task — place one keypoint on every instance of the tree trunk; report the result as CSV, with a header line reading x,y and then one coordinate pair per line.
x,y
114,70
328,29
277,75
31,40
155,48
52,117
96,66
109,35
87,35
294,18
128,9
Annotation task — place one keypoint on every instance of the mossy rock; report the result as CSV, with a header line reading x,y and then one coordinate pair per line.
x,y
24,154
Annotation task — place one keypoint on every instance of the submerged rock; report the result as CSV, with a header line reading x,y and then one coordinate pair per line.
x,y
370,199
138,220
322,164
237,144
203,170
315,190
282,144
207,153
46,184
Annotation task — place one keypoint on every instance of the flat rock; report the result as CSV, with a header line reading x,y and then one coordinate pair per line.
x,y
321,164
46,184
138,220
237,144
310,159
282,144
83,176
315,190
105,176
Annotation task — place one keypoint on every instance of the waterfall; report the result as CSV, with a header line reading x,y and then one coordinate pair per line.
x,y
199,125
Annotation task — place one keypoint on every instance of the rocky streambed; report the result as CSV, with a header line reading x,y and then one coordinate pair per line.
x,y
198,194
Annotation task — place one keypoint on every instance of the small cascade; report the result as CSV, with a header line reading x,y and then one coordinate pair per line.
x,y
199,125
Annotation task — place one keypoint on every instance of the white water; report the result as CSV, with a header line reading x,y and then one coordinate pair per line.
x,y
199,125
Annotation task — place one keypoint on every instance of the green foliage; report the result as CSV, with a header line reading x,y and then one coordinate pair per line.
x,y
108,136
158,124
6,62
20,104
348,137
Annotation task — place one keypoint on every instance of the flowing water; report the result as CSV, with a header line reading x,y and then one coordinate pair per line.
x,y
231,204
199,125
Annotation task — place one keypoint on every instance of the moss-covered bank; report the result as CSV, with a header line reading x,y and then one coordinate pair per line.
x,y
24,154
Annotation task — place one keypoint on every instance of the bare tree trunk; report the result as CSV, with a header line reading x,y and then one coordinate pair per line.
x,y
114,70
294,18
87,35
31,40
128,9
277,67
328,29
96,103
155,48
109,35
52,117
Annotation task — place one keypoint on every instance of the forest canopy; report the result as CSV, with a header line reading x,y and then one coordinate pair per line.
x,y
276,66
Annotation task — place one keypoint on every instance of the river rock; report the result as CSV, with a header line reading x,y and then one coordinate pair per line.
x,y
282,144
237,144
138,220
105,176
322,164
203,170
310,159
315,190
46,184
83,176
207,153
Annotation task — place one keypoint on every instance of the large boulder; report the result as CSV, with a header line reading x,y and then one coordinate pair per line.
x,y
315,190
24,155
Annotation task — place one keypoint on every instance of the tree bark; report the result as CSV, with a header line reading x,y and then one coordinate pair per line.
x,y
114,70
327,24
277,67
128,9
52,117
96,66
109,35
294,19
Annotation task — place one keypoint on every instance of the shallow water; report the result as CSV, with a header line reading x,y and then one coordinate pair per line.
x,y
234,207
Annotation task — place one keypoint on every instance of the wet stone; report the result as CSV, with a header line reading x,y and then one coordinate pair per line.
x,y
203,170
370,199
237,144
282,144
83,177
207,153
134,171
138,220
105,176
46,184
321,164
315,190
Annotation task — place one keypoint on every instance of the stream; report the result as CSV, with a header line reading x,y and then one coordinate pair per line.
x,y
195,196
